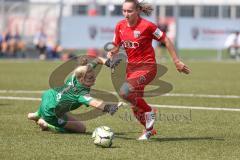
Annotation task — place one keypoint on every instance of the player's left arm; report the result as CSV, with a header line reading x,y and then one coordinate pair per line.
x,y
116,42
160,36
181,67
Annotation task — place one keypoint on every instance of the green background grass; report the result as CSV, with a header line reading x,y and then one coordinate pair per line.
x,y
182,133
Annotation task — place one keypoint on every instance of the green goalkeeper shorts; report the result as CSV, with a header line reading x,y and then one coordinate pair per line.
x,y
47,111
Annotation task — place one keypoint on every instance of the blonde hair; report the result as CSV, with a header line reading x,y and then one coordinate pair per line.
x,y
82,61
81,71
145,8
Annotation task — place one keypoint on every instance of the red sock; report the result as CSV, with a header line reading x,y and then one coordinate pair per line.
x,y
140,106
141,103
140,116
137,100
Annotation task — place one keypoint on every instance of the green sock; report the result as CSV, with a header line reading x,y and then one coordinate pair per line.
x,y
52,128
37,114
55,129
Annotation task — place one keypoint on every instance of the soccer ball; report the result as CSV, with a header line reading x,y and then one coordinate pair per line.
x,y
103,136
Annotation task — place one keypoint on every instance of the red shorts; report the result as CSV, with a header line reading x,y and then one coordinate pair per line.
x,y
140,74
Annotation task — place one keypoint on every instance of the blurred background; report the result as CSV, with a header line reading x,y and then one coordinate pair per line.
x,y
61,29
198,119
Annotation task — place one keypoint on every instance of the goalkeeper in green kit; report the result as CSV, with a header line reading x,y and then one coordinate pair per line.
x,y
53,112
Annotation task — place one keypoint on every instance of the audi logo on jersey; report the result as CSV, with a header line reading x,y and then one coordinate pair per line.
x,y
130,44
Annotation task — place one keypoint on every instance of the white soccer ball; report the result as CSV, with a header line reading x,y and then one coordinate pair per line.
x,y
103,136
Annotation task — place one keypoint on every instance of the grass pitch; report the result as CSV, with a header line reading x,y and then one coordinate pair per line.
x,y
182,133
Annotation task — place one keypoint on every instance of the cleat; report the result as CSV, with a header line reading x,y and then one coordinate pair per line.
x,y
147,134
150,119
120,104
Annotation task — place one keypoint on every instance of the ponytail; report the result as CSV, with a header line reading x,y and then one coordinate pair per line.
x,y
145,8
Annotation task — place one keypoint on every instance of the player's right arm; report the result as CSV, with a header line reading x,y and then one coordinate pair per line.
x,y
116,42
160,36
181,67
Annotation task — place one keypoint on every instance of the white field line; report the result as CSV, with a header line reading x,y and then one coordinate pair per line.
x,y
193,95
20,98
195,108
166,95
201,95
153,105
19,91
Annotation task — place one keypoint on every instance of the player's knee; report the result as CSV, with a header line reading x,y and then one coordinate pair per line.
x,y
124,90
122,94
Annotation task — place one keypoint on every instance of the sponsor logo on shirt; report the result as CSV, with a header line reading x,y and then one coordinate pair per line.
x,y
136,34
130,44
158,33
141,79
59,95
120,31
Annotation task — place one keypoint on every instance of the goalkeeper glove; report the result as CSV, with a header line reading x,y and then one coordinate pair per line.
x,y
111,108
112,64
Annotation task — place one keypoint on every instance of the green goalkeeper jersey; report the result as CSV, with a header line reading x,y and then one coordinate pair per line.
x,y
66,98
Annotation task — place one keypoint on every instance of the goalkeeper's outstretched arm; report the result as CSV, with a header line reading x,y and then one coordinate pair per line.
x,y
99,60
108,108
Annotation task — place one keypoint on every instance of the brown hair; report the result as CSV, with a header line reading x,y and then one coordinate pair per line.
x,y
146,8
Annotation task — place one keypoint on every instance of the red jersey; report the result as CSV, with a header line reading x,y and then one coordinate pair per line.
x,y
137,40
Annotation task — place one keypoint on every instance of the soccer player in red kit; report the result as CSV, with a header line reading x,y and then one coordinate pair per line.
x,y
135,34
